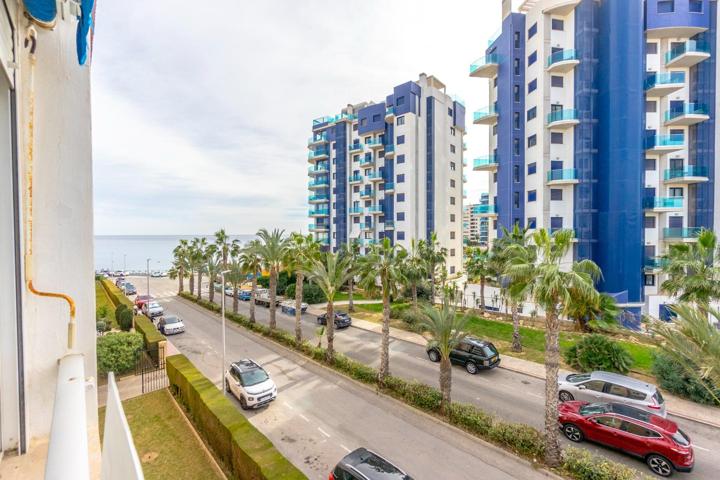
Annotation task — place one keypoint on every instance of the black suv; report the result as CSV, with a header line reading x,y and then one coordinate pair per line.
x,y
362,464
342,320
472,353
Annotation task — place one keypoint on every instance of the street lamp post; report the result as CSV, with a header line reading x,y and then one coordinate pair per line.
x,y
148,280
222,310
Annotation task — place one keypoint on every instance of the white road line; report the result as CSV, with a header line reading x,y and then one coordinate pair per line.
x,y
344,448
535,395
701,448
304,418
323,432
288,405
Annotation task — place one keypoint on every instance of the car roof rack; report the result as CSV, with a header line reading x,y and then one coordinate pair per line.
x,y
246,364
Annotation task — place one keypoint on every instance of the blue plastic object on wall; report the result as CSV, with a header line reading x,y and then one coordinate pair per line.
x,y
43,12
85,30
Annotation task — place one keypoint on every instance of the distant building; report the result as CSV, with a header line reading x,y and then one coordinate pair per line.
x,y
392,169
484,222
475,223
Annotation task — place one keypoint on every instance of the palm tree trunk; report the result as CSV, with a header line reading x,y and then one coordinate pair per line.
x,y
445,384
432,284
384,370
552,367
414,296
273,295
181,274
351,285
253,292
192,282
516,345
211,291
298,305
199,286
235,298
330,332
482,294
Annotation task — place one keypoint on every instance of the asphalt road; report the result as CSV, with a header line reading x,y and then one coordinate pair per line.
x,y
510,395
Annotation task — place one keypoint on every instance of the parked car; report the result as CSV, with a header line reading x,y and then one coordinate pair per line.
x,y
170,324
229,291
362,464
250,384
288,306
658,441
153,309
119,282
611,387
245,295
472,353
262,297
141,299
342,320
128,288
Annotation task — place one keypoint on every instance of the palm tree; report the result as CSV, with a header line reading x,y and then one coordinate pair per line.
x,y
352,251
180,263
272,252
478,265
694,343
299,250
329,271
251,263
415,269
598,314
213,268
446,332
224,247
693,275
198,261
235,275
552,288
434,256
384,263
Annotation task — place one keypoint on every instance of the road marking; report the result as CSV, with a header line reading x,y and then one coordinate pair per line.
x,y
304,418
535,395
323,432
288,405
344,448
701,448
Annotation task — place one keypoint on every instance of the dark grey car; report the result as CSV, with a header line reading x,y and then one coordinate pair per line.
x,y
362,464
342,320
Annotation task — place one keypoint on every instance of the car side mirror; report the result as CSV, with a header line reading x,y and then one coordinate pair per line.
x,y
582,387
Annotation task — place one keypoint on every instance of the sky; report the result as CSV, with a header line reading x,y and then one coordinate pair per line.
x,y
201,113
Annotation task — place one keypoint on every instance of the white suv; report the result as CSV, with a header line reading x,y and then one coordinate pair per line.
x,y
250,384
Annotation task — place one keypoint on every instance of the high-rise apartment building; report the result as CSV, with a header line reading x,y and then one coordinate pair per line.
x,y
602,120
475,222
392,169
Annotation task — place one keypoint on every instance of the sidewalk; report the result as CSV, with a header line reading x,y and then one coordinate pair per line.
x,y
675,405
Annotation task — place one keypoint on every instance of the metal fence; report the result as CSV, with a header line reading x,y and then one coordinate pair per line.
x,y
150,366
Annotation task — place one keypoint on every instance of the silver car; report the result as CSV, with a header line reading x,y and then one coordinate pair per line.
x,y
605,387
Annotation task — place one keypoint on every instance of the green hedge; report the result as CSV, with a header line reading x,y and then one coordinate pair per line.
x,y
117,352
244,452
150,334
520,439
674,378
115,295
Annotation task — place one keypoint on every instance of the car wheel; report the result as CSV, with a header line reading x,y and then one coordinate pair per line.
x,y
573,433
243,403
471,368
227,386
434,356
660,465
318,320
566,396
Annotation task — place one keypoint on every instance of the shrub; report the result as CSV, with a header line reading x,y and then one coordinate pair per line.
x,y
674,378
101,326
115,295
522,439
118,312
150,334
597,352
583,465
470,418
311,293
423,293
126,320
117,351
101,313
397,310
416,394
413,319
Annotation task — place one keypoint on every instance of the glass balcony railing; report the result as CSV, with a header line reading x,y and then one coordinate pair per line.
x,y
366,162
319,198
479,209
367,193
356,210
667,78
655,262
319,183
663,202
355,178
389,186
484,113
333,119
321,152
389,149
672,140
389,111
687,109
374,176
319,211
319,170
356,147
389,224
562,115
492,59
564,174
562,56
375,142
320,138
689,232
375,209
323,241
317,226
486,161
688,171
366,225
691,46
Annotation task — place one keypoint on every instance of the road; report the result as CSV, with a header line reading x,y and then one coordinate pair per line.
x,y
510,395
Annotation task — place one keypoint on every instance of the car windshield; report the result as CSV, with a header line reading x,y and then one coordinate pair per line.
x,y
594,408
154,305
658,397
169,320
253,377
380,469
578,377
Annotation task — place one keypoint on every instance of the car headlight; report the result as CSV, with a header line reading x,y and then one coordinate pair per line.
x,y
250,399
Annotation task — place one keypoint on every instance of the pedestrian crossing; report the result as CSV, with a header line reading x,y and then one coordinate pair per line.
x,y
163,294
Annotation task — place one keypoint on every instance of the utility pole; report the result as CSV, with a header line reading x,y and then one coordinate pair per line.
x,y
222,309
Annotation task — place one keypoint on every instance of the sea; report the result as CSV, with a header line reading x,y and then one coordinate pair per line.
x,y
130,252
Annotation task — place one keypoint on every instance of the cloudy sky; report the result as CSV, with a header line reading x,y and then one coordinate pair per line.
x,y
201,111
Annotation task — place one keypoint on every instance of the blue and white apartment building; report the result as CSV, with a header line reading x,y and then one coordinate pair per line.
x,y
602,120
392,169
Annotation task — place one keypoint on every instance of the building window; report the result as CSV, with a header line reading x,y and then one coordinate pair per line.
x,y
649,222
556,138
516,146
516,173
556,223
401,216
400,197
401,235
401,178
400,121
649,164
676,192
452,217
532,141
532,86
650,106
452,235
355,127
452,200
556,194
516,93
532,195
516,120
516,39
376,118
401,158
651,48
532,222
695,6
516,199
452,148
452,252
400,101
363,122
516,66
649,280
532,58
665,6
452,183
400,139
356,188
532,30
532,113
557,81
532,168
558,24
449,112
452,166
452,131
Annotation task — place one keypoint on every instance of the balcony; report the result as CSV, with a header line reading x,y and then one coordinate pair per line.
x,y
317,140
389,151
326,121
375,210
355,147
319,212
563,119
375,143
485,67
319,183
485,116
318,170
662,84
367,226
367,162
318,198
664,143
691,53
367,193
485,210
689,114
356,178
318,154
567,176
374,177
324,241
688,234
562,61
356,210
688,175
655,264
488,163
389,187
389,114
663,204
389,225
555,8
318,227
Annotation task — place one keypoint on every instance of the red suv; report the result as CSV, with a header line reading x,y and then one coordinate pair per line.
x,y
655,439
141,299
